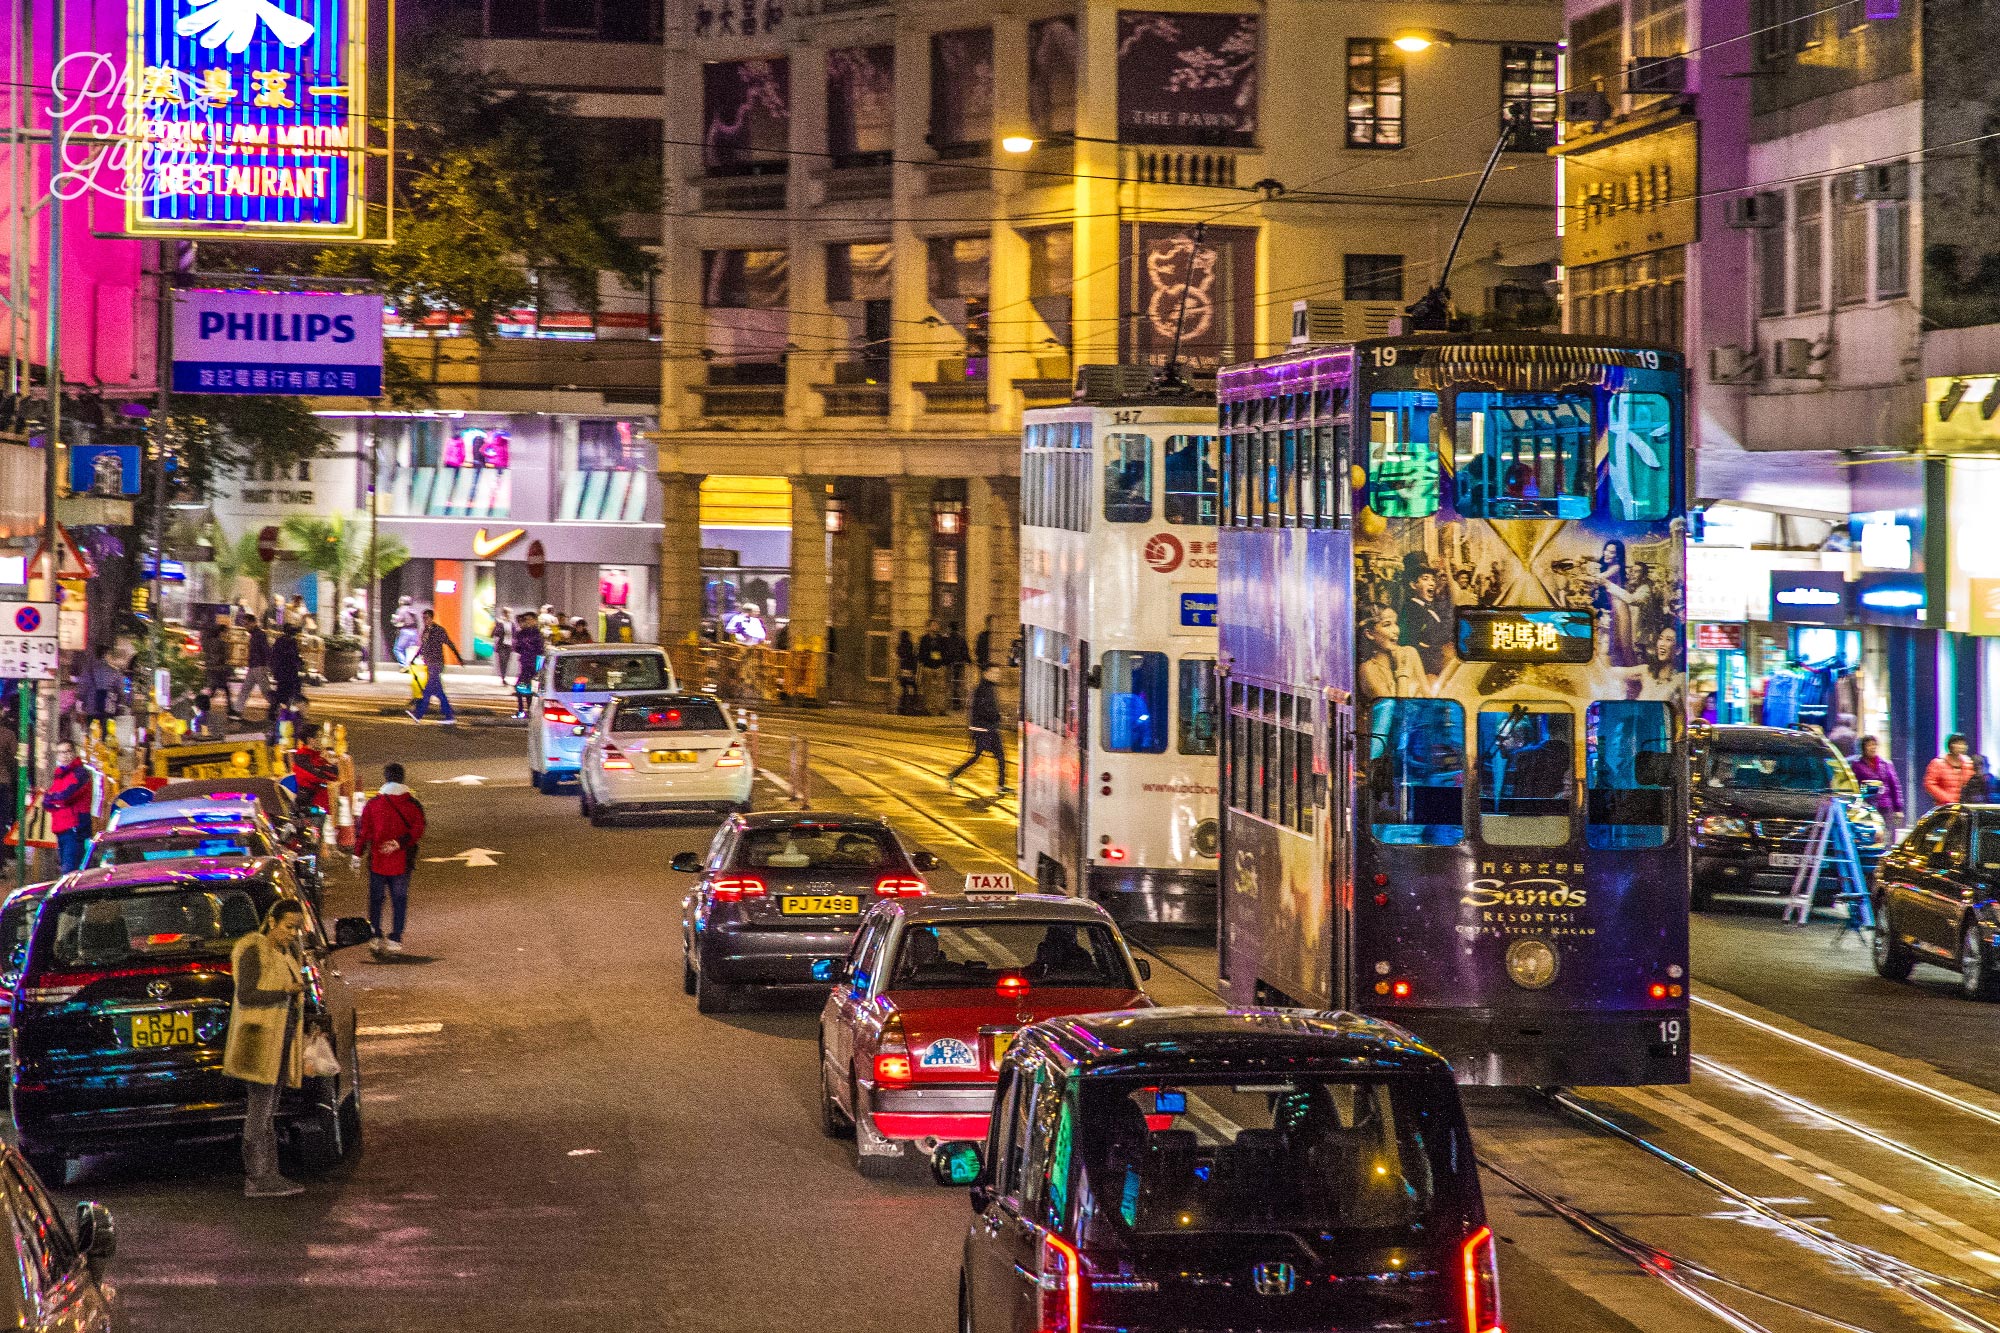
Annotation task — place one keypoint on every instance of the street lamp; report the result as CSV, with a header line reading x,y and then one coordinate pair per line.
x,y
1413,40
1027,143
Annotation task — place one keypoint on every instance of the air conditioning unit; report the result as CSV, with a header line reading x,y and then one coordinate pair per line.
x,y
1586,107
1657,74
1733,364
1793,359
1094,383
1884,180
1758,211
1341,321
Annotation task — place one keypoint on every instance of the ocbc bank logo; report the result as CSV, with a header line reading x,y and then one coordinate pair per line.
x,y
1164,552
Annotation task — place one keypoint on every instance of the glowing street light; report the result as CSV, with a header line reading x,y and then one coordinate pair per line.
x,y
1018,143
1414,40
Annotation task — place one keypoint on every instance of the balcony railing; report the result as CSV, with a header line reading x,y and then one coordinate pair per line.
x,y
1186,168
854,400
953,397
740,400
761,192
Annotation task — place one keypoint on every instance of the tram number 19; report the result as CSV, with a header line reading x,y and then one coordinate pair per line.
x,y
1383,356
1672,1032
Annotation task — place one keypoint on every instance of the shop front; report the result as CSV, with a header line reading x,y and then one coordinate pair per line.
x,y
1740,637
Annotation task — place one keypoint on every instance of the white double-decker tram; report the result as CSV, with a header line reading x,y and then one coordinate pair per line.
x,y
1119,701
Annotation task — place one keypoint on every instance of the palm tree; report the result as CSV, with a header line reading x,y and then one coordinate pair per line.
x,y
236,560
338,549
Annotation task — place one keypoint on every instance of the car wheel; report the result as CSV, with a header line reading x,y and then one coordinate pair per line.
x,y
833,1121
687,972
51,1166
1975,971
542,783
870,1165
583,799
710,997
964,1305
1700,895
320,1140
599,816
1893,959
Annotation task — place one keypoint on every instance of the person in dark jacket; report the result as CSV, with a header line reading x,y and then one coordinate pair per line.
x,y
286,668
257,667
215,657
957,657
984,722
982,647
528,650
931,684
431,648
906,674
1978,788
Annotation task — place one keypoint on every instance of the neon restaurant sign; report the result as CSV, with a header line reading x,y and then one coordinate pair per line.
x,y
242,118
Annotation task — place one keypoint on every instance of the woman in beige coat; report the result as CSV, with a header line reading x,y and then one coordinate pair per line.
x,y
266,1040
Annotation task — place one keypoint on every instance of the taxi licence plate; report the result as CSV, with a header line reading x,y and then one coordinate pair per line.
x,y
1002,1042
1787,860
671,757
819,904
150,1031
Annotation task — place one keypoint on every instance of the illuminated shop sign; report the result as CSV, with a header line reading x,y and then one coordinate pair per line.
x,y
250,119
1524,636
1890,599
306,343
1807,596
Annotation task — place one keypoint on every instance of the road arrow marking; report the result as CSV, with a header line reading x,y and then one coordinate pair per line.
x,y
474,857
462,780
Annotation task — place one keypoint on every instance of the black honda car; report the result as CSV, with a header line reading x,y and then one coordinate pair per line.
x,y
1223,1169
1937,899
1753,796
121,1013
780,897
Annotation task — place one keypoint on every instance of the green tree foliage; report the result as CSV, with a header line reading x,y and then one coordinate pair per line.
x,y
495,185
219,434
236,560
338,549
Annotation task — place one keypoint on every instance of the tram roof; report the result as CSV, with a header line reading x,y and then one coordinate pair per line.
x,y
1503,344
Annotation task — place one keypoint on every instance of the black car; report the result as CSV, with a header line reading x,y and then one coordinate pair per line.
x,y
780,897
1212,1169
1753,796
121,1013
54,1284
1937,899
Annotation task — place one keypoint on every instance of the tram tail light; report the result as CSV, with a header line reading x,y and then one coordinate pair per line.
x,y
735,888
1114,853
1482,1284
1400,989
1660,990
1059,1287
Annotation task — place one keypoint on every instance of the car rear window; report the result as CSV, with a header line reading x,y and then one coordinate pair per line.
x,y
181,846
17,920
163,925
1780,768
668,715
1305,1155
978,953
810,848
587,672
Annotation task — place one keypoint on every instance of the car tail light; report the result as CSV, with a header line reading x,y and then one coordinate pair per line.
x,y
1059,1287
1482,1284
615,758
560,715
1012,985
892,1068
735,888
900,886
732,757
58,987
892,1053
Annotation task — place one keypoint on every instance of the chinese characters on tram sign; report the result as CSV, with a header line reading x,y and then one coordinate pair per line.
x,y
251,116
1524,636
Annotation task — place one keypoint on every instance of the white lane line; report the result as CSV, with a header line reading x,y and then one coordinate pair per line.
x,y
398,1029
780,783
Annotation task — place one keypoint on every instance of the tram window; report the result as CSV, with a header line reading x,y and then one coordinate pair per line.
x,y
1527,770
1288,478
1253,479
1639,430
1627,770
1128,478
1267,770
1287,799
1135,702
1239,753
1523,455
1416,772
1190,469
1402,453
1273,477
1197,705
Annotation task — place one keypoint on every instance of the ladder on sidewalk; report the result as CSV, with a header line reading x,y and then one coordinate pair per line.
x,y
1832,837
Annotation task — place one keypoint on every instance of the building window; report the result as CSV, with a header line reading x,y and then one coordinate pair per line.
x,y
1372,277
1892,248
1630,300
744,279
1771,265
1374,94
962,93
1659,29
1783,28
1596,40
1528,75
1808,245
860,105
1850,242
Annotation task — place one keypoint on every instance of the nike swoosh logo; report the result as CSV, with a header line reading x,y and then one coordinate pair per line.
x,y
485,548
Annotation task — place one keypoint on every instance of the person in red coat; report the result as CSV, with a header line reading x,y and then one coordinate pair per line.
x,y
68,801
391,825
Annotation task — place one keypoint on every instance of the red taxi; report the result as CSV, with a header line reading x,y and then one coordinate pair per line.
x,y
930,998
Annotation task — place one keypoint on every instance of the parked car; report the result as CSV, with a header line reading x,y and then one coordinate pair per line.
x,y
780,897
1173,1169
177,840
571,689
916,1027
220,805
17,921
1753,796
57,1284
122,1012
661,754
1937,899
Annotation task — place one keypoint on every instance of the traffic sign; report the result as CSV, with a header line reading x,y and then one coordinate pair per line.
x,y
538,560
267,544
29,647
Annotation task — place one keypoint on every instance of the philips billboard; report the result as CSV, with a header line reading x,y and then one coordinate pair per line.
x,y
305,343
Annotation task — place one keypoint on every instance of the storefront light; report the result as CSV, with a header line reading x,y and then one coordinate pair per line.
x,y
948,518
836,515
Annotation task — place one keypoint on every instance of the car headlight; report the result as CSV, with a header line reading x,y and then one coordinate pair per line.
x,y
1724,826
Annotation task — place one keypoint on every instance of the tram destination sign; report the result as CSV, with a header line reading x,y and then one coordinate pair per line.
x,y
1524,636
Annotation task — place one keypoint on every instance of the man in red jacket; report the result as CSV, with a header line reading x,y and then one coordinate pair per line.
x,y
68,801
391,825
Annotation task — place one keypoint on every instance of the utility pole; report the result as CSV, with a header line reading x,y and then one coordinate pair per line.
x,y
374,639
45,730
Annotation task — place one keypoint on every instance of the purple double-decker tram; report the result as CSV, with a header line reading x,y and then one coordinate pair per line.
x,y
1454,770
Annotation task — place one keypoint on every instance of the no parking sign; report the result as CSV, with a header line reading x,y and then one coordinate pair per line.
x,y
28,641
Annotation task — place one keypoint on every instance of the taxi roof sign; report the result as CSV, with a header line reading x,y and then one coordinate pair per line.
x,y
989,887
